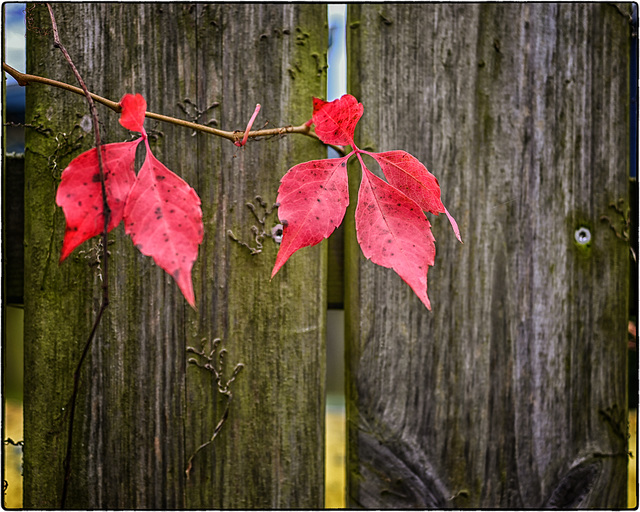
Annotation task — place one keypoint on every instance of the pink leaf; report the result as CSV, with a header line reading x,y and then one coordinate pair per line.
x,y
133,112
164,219
80,192
336,120
406,173
313,198
393,232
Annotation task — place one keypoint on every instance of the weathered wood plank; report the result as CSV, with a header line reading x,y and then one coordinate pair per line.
x,y
511,392
143,409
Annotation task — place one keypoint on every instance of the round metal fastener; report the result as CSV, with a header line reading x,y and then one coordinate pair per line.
x,y
583,236
276,233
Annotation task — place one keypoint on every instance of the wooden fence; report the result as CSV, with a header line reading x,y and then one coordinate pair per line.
x,y
510,393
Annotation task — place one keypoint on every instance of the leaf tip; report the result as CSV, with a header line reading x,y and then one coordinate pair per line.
x,y
454,225
275,270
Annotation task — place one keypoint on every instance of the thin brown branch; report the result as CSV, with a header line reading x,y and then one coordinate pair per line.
x,y
24,79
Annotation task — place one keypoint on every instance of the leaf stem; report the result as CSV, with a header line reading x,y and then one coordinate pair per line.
x,y
25,79
249,125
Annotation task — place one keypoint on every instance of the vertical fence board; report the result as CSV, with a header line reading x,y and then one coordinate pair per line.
x,y
512,391
143,410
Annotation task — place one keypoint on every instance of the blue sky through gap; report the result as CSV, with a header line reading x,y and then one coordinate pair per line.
x,y
14,40
337,52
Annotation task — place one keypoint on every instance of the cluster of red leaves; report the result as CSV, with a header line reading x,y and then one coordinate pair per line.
x,y
161,212
391,225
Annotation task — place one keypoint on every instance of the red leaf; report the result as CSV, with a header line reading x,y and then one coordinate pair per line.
x,y
336,120
133,112
406,173
318,104
393,232
80,192
164,219
313,198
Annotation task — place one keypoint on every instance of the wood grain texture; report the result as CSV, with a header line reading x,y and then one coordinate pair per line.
x,y
143,409
512,391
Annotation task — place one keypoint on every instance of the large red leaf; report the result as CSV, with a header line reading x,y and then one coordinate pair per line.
x,y
406,173
133,112
80,192
336,121
393,232
164,219
313,198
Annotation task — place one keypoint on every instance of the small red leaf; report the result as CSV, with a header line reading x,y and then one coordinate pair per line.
x,y
133,112
406,173
336,120
313,198
393,232
164,219
80,192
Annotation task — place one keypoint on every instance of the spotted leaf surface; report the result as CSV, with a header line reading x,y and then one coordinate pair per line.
x,y
80,192
164,219
313,198
406,173
318,104
393,232
335,121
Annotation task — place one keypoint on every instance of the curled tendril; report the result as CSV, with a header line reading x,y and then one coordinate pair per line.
x,y
223,386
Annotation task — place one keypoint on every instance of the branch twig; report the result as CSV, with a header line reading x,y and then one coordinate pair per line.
x,y
24,79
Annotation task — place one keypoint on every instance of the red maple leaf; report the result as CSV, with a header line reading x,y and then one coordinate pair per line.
x,y
160,210
391,226
393,232
80,192
407,174
336,120
313,199
133,112
164,219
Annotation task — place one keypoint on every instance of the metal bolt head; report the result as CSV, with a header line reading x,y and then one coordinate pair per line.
x,y
276,233
582,236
